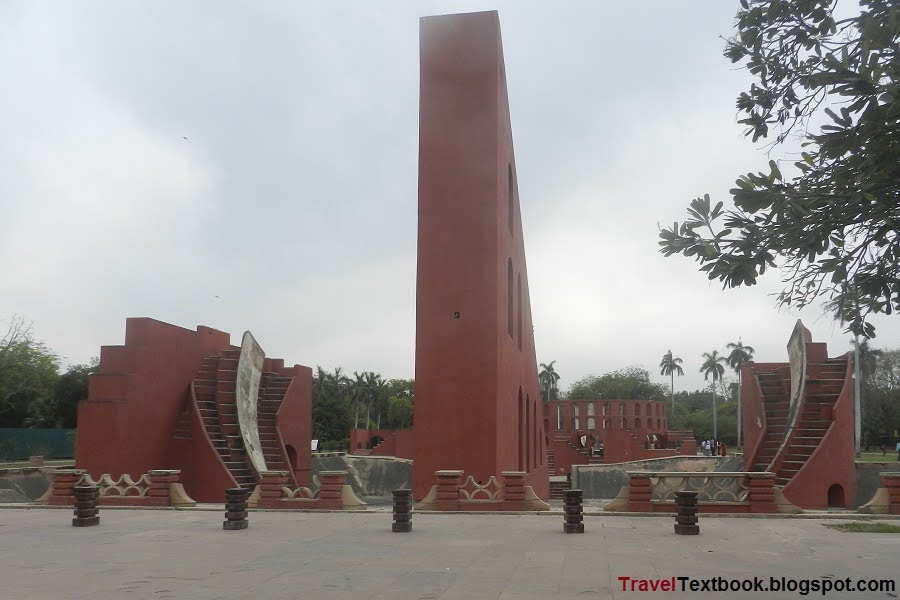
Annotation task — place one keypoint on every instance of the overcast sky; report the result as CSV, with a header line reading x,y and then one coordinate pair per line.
x,y
253,166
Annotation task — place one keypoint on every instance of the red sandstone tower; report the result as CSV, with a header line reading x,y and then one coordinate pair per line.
x,y
477,395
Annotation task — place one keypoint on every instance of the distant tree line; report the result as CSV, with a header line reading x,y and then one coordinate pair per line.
x,y
881,395
365,401
34,392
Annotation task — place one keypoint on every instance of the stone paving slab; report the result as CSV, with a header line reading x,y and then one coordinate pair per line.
x,y
186,554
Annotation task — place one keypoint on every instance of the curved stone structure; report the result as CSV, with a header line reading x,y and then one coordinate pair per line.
x,y
249,372
796,348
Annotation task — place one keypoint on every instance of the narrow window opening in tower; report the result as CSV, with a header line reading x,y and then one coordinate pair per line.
x,y
521,432
509,297
519,309
511,202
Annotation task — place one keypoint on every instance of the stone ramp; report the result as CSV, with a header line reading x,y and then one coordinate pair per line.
x,y
22,485
369,476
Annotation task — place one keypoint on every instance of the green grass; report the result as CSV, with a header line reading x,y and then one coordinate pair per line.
x,y
875,456
862,527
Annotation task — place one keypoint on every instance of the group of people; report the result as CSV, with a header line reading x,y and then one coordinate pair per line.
x,y
713,447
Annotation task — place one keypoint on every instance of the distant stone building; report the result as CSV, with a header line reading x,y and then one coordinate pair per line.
x,y
581,432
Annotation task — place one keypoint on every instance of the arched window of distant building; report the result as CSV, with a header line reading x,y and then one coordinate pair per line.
x,y
637,423
591,423
590,410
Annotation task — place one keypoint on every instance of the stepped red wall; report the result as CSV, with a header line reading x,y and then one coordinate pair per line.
x,y
470,371
134,403
137,395
294,421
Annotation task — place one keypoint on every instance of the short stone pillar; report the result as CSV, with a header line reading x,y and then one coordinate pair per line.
x,y
36,461
513,490
160,482
62,489
235,509
686,517
86,506
331,483
448,483
573,512
402,511
891,482
639,493
270,487
762,492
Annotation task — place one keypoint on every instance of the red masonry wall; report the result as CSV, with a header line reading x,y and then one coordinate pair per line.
x,y
136,398
477,397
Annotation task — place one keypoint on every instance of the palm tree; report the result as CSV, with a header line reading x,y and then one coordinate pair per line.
x,y
357,393
740,354
548,378
372,384
712,365
670,365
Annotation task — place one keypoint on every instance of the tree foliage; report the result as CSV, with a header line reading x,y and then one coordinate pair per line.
x,y
881,395
341,402
61,408
28,373
712,365
671,365
693,412
548,378
631,383
832,227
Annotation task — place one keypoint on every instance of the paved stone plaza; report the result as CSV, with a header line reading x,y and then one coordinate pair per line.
x,y
185,554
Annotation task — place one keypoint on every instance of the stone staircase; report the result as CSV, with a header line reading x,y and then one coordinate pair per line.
x,y
589,459
272,388
558,486
775,386
214,393
823,386
551,462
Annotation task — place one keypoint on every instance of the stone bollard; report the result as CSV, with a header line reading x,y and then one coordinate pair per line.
x,y
86,509
402,511
572,507
686,519
235,509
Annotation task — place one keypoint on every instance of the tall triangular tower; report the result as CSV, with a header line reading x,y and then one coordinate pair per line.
x,y
478,405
